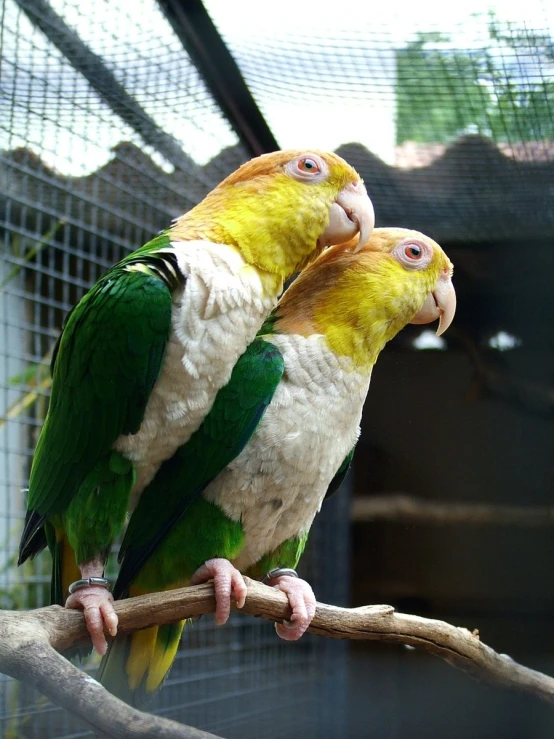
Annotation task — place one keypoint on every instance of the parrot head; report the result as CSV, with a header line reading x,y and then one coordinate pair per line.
x,y
280,210
361,298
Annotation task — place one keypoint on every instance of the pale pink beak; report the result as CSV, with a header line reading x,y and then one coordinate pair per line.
x,y
351,213
440,303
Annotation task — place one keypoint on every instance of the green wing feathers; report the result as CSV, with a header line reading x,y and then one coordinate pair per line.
x,y
340,474
174,529
236,412
106,363
287,554
109,358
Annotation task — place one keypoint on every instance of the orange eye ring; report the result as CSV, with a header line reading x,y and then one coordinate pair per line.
x,y
414,252
308,165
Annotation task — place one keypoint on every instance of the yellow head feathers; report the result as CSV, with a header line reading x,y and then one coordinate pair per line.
x,y
279,210
359,301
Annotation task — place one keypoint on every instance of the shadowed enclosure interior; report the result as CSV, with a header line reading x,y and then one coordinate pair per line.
x,y
119,116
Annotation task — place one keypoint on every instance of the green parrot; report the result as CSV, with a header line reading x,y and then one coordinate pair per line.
x,y
143,354
241,494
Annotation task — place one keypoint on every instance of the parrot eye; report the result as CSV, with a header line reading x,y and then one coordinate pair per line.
x,y
308,165
413,254
413,251
307,168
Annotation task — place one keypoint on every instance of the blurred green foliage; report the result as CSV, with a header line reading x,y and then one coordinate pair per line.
x,y
503,89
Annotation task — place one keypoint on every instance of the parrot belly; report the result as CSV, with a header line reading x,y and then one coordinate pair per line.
x,y
277,484
215,316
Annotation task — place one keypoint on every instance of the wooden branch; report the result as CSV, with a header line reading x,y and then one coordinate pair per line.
x,y
27,653
26,639
405,508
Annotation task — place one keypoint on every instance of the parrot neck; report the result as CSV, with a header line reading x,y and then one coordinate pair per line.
x,y
278,233
342,329
361,346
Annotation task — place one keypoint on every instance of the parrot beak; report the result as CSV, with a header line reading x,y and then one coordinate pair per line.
x,y
441,304
351,213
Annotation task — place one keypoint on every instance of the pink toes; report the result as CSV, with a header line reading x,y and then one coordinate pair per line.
x,y
228,582
97,605
302,602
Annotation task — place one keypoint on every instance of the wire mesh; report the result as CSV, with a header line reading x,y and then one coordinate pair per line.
x,y
104,138
433,104
107,131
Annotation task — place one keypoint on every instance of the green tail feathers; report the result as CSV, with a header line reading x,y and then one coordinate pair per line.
x,y
136,665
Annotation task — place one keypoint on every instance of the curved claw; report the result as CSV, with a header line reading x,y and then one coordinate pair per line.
x,y
228,582
302,602
97,605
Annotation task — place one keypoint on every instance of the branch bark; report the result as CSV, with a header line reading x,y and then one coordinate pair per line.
x,y
28,642
27,652
406,508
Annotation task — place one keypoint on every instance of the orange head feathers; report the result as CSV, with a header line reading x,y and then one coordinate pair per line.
x,y
281,209
359,301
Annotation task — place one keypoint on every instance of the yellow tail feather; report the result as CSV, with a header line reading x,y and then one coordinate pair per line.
x,y
70,570
64,568
165,650
136,665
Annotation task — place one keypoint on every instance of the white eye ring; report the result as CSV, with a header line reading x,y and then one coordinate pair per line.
x,y
413,254
301,169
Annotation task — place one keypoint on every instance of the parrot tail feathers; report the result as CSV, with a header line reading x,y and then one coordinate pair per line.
x,y
136,665
33,539
64,566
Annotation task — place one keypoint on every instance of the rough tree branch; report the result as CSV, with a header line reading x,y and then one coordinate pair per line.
x,y
406,508
28,641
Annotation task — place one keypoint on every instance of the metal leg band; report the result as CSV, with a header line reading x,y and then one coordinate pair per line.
x,y
279,572
87,581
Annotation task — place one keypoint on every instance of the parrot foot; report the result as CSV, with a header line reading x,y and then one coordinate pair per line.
x,y
302,602
228,582
97,605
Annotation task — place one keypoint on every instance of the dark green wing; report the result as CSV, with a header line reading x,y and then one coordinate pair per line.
x,y
105,365
224,433
338,479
